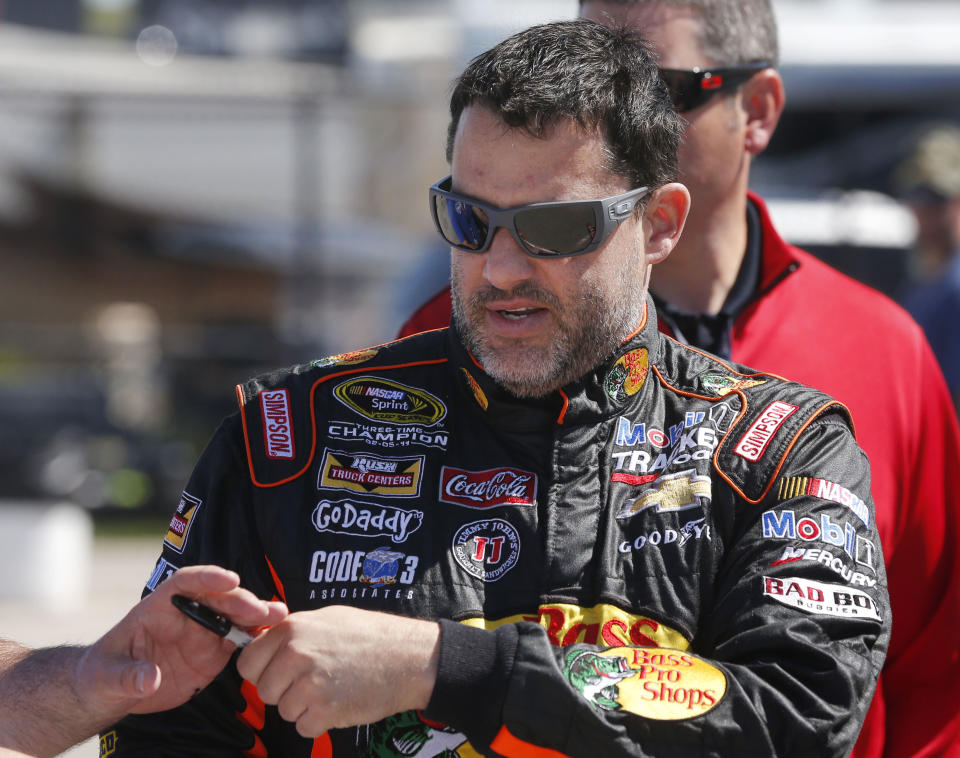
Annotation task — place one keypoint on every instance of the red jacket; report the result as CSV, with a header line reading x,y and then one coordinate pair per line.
x,y
808,320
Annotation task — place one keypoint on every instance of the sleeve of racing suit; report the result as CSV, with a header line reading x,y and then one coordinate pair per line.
x,y
792,636
213,524
923,563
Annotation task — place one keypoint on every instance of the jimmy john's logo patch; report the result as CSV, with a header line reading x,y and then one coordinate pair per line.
x,y
181,522
366,519
347,359
753,443
487,549
371,474
388,401
718,384
277,424
628,375
659,684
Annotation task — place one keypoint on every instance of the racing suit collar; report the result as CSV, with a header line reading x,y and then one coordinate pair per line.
x,y
599,394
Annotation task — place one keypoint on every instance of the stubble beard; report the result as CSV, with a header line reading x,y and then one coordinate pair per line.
x,y
589,330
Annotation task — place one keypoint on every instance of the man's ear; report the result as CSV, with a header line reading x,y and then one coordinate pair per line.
x,y
762,99
663,219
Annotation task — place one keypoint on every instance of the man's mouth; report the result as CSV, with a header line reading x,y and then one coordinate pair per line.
x,y
516,314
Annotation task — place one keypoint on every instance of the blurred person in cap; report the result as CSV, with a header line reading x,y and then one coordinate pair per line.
x,y
153,659
928,180
549,529
734,287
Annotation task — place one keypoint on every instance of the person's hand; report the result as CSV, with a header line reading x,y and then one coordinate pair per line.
x,y
341,666
156,658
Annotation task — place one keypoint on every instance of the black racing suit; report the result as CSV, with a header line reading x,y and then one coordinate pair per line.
x,y
671,557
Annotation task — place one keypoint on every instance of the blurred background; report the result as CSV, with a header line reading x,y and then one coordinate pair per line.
x,y
194,191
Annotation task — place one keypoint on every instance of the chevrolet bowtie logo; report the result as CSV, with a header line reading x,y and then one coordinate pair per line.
x,y
675,492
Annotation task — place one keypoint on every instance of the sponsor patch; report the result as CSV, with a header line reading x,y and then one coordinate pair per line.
x,y
692,530
601,624
487,549
371,474
366,519
755,440
108,743
387,436
478,393
825,558
161,572
665,685
347,359
821,598
674,492
277,423
627,375
389,401
486,489
381,566
181,522
636,467
718,384
795,486
410,733
784,525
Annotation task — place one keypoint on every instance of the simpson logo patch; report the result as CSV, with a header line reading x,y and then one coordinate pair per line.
x,y
487,549
371,474
795,486
754,442
664,685
181,522
674,492
486,489
821,598
388,401
277,424
628,375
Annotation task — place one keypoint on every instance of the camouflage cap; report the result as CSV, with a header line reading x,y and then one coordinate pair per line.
x,y
932,168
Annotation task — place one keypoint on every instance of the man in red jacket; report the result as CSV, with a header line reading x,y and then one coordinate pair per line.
x,y
735,288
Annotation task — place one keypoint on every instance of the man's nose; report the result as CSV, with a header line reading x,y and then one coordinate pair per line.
x,y
506,263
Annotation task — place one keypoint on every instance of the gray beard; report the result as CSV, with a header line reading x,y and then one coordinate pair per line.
x,y
588,333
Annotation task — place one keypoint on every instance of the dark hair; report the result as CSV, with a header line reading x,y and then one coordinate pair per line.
x,y
602,78
731,31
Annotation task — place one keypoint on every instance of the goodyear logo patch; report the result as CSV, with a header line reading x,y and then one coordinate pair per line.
x,y
628,374
371,474
659,684
385,400
181,522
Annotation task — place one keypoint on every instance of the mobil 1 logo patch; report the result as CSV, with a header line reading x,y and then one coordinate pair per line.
x,y
487,549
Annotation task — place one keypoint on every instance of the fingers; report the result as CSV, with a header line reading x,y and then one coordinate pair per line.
x,y
200,580
257,656
138,680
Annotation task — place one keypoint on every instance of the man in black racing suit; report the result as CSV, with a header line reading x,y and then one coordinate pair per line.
x,y
495,539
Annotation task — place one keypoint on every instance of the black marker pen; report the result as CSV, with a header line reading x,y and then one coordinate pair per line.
x,y
212,620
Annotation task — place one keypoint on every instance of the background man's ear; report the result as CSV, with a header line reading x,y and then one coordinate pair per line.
x,y
762,99
664,218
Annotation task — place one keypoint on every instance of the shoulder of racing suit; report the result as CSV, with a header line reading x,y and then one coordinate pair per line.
x,y
771,413
277,409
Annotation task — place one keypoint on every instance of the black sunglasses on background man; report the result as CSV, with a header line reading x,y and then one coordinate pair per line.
x,y
691,88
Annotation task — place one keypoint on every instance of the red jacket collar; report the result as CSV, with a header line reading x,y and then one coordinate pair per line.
x,y
777,254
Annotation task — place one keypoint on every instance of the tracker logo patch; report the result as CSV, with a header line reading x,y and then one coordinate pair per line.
x,y
181,522
821,598
389,401
371,474
277,423
755,440
487,549
486,489
674,492
366,520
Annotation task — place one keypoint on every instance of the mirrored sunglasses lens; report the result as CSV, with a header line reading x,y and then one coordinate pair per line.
x,y
556,231
461,223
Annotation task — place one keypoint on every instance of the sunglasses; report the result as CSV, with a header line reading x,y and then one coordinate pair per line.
x,y
691,89
543,230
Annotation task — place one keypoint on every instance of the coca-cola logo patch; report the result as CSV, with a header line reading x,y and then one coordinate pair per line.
x,y
486,489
